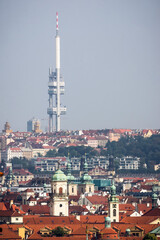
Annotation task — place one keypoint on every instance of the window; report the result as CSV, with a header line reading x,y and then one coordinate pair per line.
x,y
60,190
60,205
89,189
114,205
16,219
72,189
114,212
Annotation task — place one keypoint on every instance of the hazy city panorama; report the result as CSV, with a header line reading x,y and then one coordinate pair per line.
x,y
79,125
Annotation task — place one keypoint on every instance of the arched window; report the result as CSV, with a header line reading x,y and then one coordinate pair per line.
x,y
114,212
60,190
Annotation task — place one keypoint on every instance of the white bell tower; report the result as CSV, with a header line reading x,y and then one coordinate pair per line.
x,y
59,196
113,205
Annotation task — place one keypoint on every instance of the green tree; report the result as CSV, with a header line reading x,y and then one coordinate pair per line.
x,y
59,232
51,153
150,236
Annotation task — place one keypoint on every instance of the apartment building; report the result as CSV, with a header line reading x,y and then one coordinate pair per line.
x,y
50,164
129,162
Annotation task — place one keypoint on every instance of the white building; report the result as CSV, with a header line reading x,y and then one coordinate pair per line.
x,y
50,164
13,152
129,162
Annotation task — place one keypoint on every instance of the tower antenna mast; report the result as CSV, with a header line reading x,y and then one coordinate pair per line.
x,y
56,87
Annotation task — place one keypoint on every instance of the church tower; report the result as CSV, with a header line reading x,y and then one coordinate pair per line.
x,y
86,184
113,205
59,196
72,186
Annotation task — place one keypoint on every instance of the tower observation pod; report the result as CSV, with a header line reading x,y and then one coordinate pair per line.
x,y
56,87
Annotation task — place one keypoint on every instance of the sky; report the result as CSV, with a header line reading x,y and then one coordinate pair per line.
x,y
110,62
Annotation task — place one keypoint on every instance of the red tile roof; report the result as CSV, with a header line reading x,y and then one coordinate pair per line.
x,y
139,220
36,219
153,212
97,200
79,231
77,210
37,209
93,219
21,172
15,208
2,206
9,213
8,234
126,207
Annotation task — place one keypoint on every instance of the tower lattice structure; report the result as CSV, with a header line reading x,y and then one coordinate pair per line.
x,y
56,87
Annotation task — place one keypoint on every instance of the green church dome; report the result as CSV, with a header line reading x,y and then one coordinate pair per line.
x,y
70,177
86,178
59,176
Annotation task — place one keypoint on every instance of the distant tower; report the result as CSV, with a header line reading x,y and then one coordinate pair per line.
x,y
33,124
113,205
37,127
56,87
7,128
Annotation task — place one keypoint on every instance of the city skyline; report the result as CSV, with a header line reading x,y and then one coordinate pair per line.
x,y
110,59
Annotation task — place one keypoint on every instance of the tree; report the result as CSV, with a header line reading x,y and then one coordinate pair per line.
x,y
59,232
51,153
150,236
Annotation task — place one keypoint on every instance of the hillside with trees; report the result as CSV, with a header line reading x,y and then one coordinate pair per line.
x,y
148,149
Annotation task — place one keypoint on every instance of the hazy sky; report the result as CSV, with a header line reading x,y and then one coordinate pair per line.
x,y
110,61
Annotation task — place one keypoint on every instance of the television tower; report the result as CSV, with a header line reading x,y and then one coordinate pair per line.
x,y
56,88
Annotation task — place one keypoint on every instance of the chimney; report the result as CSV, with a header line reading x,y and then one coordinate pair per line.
x,y
10,203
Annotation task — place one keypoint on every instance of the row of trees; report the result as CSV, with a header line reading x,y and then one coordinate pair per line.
x,y
77,151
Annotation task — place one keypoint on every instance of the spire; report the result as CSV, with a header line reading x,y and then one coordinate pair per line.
x,y
113,189
57,27
70,177
85,165
86,178
68,166
113,197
